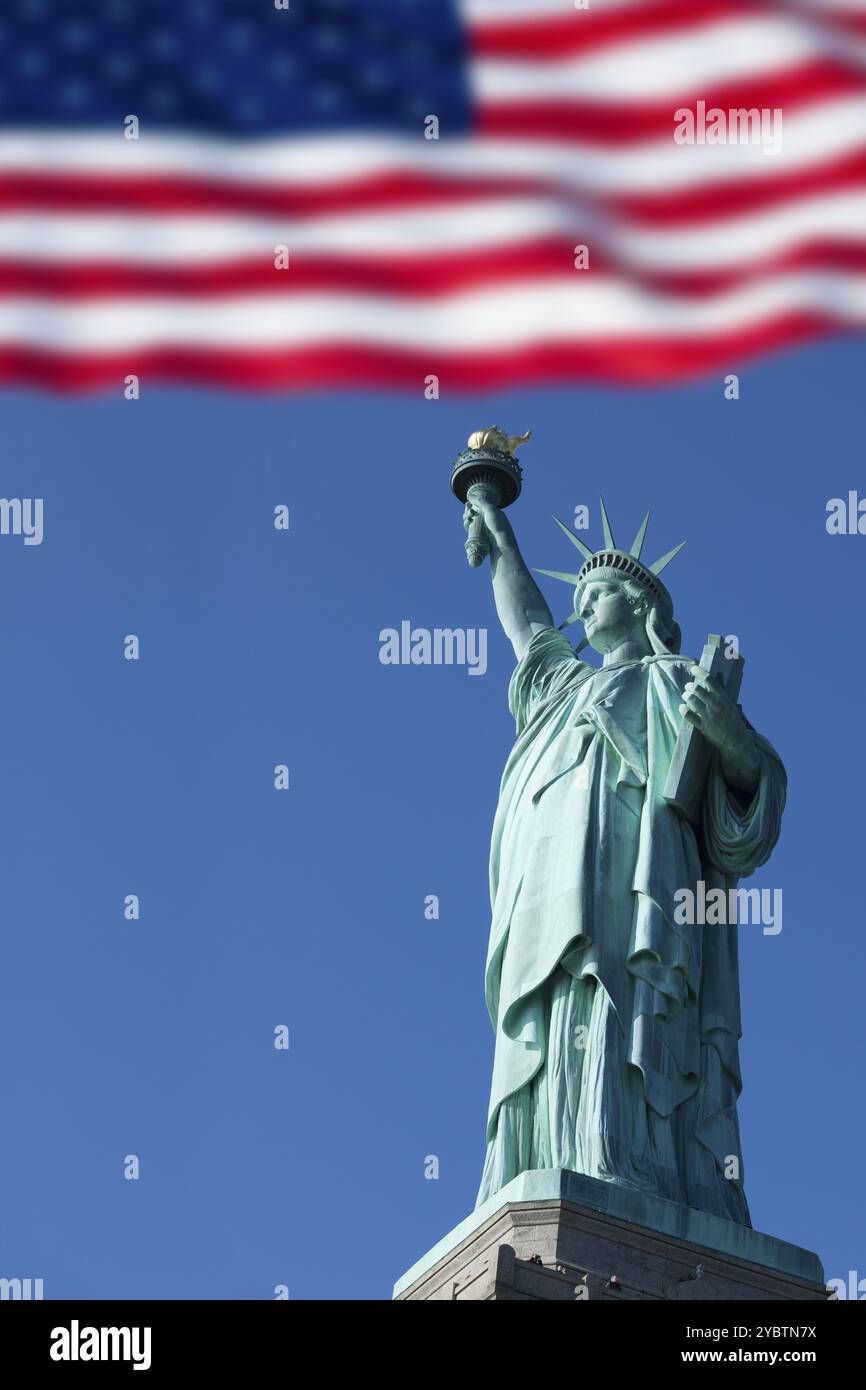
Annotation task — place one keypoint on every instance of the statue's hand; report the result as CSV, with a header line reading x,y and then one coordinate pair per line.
x,y
709,707
483,508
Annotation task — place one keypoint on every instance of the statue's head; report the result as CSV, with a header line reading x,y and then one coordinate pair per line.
x,y
617,596
613,610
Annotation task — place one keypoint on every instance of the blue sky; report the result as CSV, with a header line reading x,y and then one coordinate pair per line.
x,y
306,907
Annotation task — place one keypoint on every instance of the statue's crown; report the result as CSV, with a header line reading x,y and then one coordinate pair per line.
x,y
610,563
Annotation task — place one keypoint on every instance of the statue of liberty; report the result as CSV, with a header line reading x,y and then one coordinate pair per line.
x,y
616,1023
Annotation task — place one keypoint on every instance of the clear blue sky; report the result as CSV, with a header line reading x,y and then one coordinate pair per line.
x,y
305,908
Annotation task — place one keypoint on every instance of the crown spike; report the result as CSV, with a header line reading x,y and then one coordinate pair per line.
x,y
557,574
575,540
637,543
666,559
608,534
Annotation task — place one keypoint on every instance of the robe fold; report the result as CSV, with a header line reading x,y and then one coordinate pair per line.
x,y
616,1027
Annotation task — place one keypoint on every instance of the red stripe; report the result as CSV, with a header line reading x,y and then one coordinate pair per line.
x,y
626,361
583,121
552,37
556,36
420,276
734,197
623,123
397,191
166,194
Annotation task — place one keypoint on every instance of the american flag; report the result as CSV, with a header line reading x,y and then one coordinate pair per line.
x,y
352,192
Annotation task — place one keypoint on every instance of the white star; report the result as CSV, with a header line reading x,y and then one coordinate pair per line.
x,y
163,98
164,44
117,66
32,63
206,78
328,40
249,108
74,93
283,65
240,37
75,35
374,78
326,97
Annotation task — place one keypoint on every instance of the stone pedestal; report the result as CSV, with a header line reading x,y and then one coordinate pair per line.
x,y
551,1234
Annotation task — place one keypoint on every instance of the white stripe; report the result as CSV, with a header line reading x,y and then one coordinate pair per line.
x,y
820,7
516,11
741,240
501,222
811,136
666,64
507,11
564,312
55,238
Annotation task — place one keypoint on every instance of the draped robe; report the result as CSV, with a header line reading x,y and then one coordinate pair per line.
x,y
616,1027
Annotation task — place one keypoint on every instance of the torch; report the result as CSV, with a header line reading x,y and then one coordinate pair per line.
x,y
487,471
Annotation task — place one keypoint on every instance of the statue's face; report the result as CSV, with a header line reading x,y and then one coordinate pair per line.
x,y
607,615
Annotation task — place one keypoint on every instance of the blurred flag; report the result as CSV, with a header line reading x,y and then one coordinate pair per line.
x,y
337,193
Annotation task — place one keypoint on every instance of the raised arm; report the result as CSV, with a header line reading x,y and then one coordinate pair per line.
x,y
520,603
